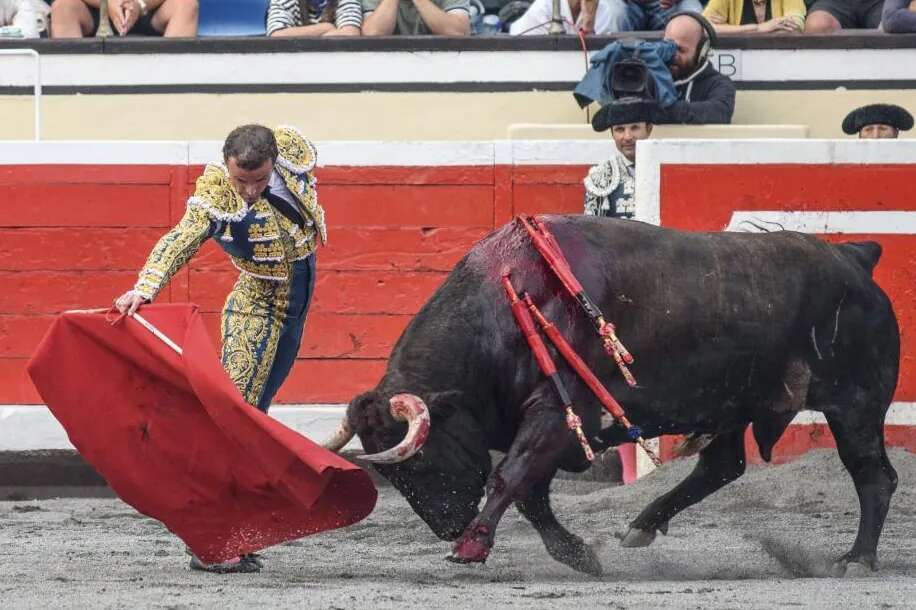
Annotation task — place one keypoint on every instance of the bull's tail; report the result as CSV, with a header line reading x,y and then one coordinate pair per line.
x,y
865,253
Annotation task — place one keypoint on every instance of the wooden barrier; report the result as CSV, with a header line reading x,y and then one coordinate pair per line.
x,y
80,217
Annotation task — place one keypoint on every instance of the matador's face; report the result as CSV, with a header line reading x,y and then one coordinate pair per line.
x,y
627,134
877,131
249,183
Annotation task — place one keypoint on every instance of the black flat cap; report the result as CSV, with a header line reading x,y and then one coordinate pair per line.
x,y
623,111
882,114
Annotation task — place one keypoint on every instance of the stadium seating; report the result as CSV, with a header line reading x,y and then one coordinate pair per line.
x,y
232,18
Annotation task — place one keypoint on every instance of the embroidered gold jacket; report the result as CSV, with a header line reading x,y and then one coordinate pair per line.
x,y
259,240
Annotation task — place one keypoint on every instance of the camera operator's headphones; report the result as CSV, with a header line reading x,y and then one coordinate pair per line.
x,y
709,40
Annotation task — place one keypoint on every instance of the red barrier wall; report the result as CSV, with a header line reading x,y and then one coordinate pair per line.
x,y
74,236
702,197
810,188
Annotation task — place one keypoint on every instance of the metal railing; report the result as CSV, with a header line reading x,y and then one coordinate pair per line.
x,y
37,85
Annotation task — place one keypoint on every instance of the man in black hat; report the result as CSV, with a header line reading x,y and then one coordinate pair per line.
x,y
610,186
878,121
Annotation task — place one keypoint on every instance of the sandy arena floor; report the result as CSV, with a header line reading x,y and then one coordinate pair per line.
x,y
766,541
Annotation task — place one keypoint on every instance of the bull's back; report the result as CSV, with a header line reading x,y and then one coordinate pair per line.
x,y
709,299
649,275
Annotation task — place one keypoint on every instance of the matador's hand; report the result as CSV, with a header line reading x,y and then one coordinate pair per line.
x,y
129,302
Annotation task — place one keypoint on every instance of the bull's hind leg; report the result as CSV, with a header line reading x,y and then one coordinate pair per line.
x,y
562,545
532,459
859,435
720,463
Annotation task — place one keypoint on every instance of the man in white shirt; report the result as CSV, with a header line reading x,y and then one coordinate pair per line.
x,y
589,16
29,16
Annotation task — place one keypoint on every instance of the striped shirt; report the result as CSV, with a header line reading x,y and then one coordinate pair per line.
x,y
282,14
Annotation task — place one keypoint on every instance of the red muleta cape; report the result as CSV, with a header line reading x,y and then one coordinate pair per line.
x,y
173,437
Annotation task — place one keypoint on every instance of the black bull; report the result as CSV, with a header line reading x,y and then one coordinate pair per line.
x,y
728,330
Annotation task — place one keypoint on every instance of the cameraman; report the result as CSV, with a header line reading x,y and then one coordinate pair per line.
x,y
704,95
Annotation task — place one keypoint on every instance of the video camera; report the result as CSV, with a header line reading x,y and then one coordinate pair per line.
x,y
630,78
631,81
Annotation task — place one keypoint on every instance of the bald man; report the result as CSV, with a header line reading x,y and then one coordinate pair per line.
x,y
704,95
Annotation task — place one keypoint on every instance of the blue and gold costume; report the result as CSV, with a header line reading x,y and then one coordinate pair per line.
x,y
265,312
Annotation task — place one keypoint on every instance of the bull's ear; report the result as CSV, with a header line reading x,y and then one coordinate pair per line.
x,y
443,404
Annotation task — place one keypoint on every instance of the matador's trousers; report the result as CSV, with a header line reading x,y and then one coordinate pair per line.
x,y
262,328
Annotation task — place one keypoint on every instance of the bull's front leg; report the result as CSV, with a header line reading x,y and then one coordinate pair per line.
x,y
532,458
562,545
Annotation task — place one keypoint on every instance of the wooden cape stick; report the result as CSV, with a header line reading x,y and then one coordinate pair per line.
x,y
142,322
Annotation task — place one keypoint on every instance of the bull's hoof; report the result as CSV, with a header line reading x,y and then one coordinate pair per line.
x,y
473,546
572,551
583,559
452,557
635,538
860,567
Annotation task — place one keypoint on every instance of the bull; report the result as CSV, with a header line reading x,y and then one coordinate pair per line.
x,y
728,330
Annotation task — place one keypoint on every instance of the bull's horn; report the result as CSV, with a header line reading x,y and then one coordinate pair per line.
x,y
341,437
412,409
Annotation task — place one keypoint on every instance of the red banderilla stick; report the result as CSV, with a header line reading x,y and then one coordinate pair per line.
x,y
605,329
610,403
546,363
586,374
547,245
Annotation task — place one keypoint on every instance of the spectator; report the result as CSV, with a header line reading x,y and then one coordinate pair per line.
x,y
413,17
288,18
899,17
651,15
878,121
756,16
610,185
172,18
589,16
829,16
29,16
704,95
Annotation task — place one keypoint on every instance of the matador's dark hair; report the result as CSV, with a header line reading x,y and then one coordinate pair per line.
x,y
250,146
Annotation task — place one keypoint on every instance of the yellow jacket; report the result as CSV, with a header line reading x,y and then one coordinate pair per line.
x,y
731,10
260,241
